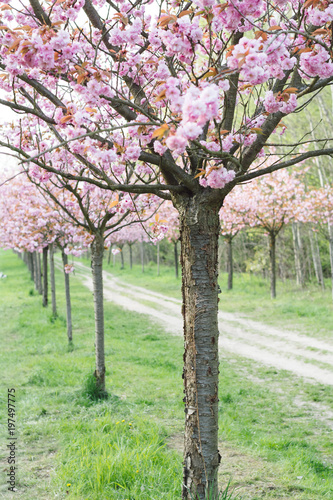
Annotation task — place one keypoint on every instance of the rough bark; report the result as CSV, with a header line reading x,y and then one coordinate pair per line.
x,y
298,253
199,225
316,258
272,256
230,265
176,257
97,250
53,285
68,299
45,278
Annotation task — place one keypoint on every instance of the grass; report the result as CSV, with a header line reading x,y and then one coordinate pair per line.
x,y
128,446
310,311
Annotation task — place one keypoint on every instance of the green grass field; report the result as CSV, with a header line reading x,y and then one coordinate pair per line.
x,y
273,442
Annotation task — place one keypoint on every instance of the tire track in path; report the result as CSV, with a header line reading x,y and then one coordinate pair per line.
x,y
306,357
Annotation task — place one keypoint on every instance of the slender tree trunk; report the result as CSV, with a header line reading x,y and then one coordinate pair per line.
x,y
199,225
158,258
142,251
39,275
31,265
53,285
45,278
122,257
109,254
68,299
97,250
272,256
35,266
175,244
316,258
298,253
230,265
130,255
330,239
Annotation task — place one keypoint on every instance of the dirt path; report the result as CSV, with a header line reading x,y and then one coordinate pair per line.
x,y
304,356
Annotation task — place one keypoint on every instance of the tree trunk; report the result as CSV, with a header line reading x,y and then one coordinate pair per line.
x,y
53,285
176,257
97,250
68,299
109,254
142,251
272,256
298,253
230,265
122,257
31,265
35,266
199,226
330,239
158,258
39,275
45,278
316,258
130,255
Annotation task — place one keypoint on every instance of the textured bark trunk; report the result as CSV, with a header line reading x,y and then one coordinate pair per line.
x,y
53,285
298,253
272,256
158,259
39,275
45,278
330,239
176,258
68,299
97,250
316,258
131,256
199,225
230,265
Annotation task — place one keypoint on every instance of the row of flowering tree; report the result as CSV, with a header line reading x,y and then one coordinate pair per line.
x,y
270,203
39,214
180,105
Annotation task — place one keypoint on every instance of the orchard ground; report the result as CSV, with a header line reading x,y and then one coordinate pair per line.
x,y
275,428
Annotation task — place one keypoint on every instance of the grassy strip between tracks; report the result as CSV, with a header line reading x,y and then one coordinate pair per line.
x,y
128,446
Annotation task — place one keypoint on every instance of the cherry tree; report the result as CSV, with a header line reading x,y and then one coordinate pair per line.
x,y
31,223
180,105
274,201
27,225
234,216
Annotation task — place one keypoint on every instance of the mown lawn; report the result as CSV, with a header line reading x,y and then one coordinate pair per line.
x,y
128,446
